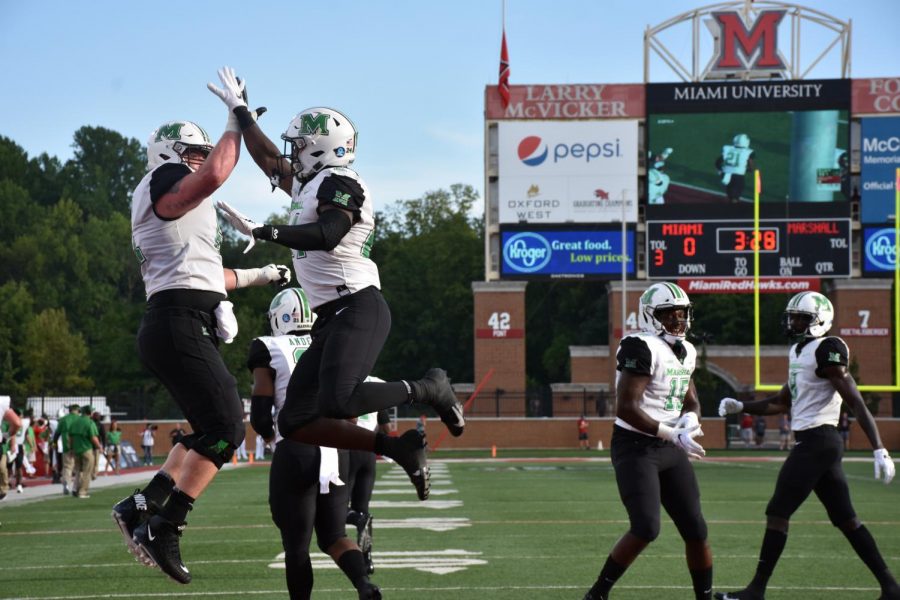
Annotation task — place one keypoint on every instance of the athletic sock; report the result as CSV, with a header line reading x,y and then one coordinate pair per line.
x,y
178,507
159,489
702,579
772,545
353,565
864,544
609,575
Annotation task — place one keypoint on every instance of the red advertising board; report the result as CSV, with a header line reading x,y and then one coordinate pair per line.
x,y
575,101
876,96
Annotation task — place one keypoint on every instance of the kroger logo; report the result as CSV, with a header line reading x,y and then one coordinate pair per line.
x,y
880,249
532,151
527,252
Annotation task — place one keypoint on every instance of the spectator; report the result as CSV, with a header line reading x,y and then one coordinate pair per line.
x,y
583,433
420,424
84,440
746,430
784,431
113,446
62,434
844,429
101,436
759,430
147,440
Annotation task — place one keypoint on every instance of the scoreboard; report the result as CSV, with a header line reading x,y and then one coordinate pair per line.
x,y
724,248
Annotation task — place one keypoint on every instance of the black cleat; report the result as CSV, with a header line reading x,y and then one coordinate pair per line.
x,y
364,541
408,451
369,591
129,514
434,389
157,538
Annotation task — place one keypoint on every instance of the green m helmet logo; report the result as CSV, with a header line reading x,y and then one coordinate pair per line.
x,y
648,295
169,131
311,124
822,303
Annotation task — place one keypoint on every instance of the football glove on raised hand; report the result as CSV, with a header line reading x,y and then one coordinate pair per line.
x,y
730,406
884,466
239,221
232,92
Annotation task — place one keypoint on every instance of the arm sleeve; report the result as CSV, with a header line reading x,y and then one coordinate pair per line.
x,y
384,417
832,351
165,177
634,356
259,357
324,234
261,415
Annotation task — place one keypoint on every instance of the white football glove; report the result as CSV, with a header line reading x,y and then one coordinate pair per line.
x,y
239,221
687,420
884,466
232,91
730,406
671,434
686,442
277,274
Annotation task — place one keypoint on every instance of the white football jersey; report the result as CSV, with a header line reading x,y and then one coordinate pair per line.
x,y
814,401
284,352
4,404
669,378
179,254
734,159
327,275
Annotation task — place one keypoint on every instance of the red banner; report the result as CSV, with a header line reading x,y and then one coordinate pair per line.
x,y
876,96
745,286
581,101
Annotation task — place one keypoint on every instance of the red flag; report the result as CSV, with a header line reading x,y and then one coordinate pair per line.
x,y
503,83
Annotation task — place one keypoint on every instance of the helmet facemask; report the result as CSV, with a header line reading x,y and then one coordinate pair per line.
x,y
808,315
658,314
318,138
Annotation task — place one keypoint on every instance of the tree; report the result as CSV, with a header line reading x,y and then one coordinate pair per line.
x,y
54,358
429,250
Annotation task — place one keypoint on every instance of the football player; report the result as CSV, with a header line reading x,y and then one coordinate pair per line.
x,y
733,164
657,179
176,238
331,231
14,422
306,483
818,382
657,419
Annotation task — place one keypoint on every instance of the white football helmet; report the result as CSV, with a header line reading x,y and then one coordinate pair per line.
x,y
662,296
814,305
290,312
741,140
318,138
171,140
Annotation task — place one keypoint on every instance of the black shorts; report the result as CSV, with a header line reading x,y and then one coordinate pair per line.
x,y
651,472
179,346
296,505
347,338
813,465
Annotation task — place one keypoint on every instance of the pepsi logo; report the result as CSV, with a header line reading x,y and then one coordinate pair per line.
x,y
532,151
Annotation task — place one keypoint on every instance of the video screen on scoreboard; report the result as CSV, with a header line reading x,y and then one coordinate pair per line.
x,y
705,141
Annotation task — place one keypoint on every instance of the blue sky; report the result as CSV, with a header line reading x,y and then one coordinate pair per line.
x,y
411,75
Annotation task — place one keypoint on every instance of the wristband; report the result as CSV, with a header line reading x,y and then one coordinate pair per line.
x,y
249,277
265,233
664,432
243,117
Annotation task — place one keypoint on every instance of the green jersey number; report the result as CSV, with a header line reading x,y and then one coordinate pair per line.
x,y
678,387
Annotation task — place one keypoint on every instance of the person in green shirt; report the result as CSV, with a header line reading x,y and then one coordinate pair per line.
x,y
113,446
68,459
83,439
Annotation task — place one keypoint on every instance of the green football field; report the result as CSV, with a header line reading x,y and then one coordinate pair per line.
x,y
504,529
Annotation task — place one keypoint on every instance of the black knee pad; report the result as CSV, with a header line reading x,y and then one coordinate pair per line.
x,y
694,530
189,440
216,449
325,543
647,530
